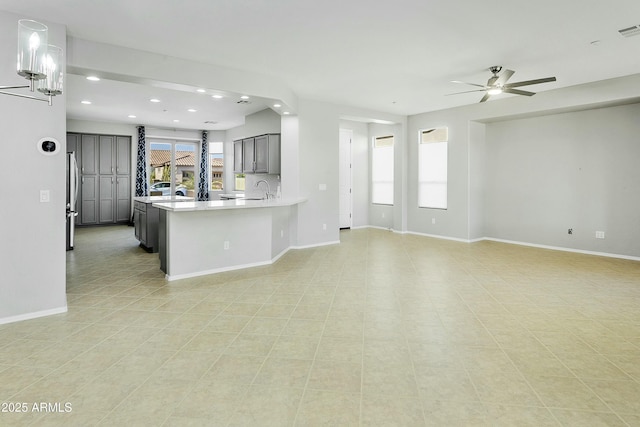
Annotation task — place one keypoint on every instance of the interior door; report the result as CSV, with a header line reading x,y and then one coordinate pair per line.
x,y
345,178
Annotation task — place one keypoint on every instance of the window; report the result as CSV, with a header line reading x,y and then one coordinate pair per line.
x,y
216,165
382,171
172,167
432,168
240,178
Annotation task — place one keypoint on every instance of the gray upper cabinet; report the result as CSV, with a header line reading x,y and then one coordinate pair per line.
x,y
260,154
88,159
237,157
123,155
248,157
104,163
107,159
267,154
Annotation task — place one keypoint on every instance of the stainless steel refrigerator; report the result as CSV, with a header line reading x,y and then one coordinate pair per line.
x,y
72,196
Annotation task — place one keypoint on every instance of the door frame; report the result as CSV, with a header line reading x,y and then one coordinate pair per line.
x,y
344,146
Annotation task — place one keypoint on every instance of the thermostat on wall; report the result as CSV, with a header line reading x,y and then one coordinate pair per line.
x,y
48,146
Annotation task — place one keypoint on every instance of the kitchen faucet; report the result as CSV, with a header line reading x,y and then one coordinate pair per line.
x,y
268,193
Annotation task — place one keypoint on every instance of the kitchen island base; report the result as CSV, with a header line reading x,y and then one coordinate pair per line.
x,y
200,241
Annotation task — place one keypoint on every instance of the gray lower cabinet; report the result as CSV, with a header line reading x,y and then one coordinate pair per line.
x,y
104,166
146,218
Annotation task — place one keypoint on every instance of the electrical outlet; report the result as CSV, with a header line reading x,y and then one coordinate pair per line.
x,y
324,227
599,234
433,220
382,214
281,233
570,231
226,245
45,196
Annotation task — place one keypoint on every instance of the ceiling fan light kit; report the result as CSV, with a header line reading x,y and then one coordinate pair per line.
x,y
497,84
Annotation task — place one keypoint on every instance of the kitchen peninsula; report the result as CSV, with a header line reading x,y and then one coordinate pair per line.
x,y
198,238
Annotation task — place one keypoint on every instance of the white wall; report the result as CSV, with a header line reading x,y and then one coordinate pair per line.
x,y
105,128
577,170
32,234
318,165
476,211
477,177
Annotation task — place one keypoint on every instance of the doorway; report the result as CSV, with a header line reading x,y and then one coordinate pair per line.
x,y
346,135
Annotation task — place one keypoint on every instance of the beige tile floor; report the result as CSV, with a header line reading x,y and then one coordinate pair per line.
x,y
383,329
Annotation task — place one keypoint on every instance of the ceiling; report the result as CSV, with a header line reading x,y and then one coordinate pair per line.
x,y
397,57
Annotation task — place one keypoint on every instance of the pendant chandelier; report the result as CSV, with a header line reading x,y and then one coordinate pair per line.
x,y
38,62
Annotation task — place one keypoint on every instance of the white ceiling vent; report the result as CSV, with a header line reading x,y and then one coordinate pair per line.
x,y
631,31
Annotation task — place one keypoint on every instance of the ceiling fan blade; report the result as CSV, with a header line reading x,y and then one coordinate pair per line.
x,y
518,92
466,91
530,82
485,97
506,75
465,83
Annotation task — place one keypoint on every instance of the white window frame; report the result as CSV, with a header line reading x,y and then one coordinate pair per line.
x,y
433,159
215,147
173,166
382,178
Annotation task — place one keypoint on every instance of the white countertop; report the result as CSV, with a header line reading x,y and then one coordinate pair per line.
x,y
178,206
155,199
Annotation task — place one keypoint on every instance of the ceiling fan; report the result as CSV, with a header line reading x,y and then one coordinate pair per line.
x,y
497,84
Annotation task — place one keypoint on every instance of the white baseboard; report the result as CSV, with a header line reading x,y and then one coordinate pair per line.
x,y
34,315
438,236
316,245
173,277
512,242
562,248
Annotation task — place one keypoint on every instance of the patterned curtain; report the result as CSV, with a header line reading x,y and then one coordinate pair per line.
x,y
142,183
203,191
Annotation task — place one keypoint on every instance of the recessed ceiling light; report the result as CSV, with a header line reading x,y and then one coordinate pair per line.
x,y
244,97
175,120
217,96
192,110
277,105
286,113
93,78
131,116
85,102
201,90
154,100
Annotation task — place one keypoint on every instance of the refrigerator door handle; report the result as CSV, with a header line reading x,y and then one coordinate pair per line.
x,y
75,168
